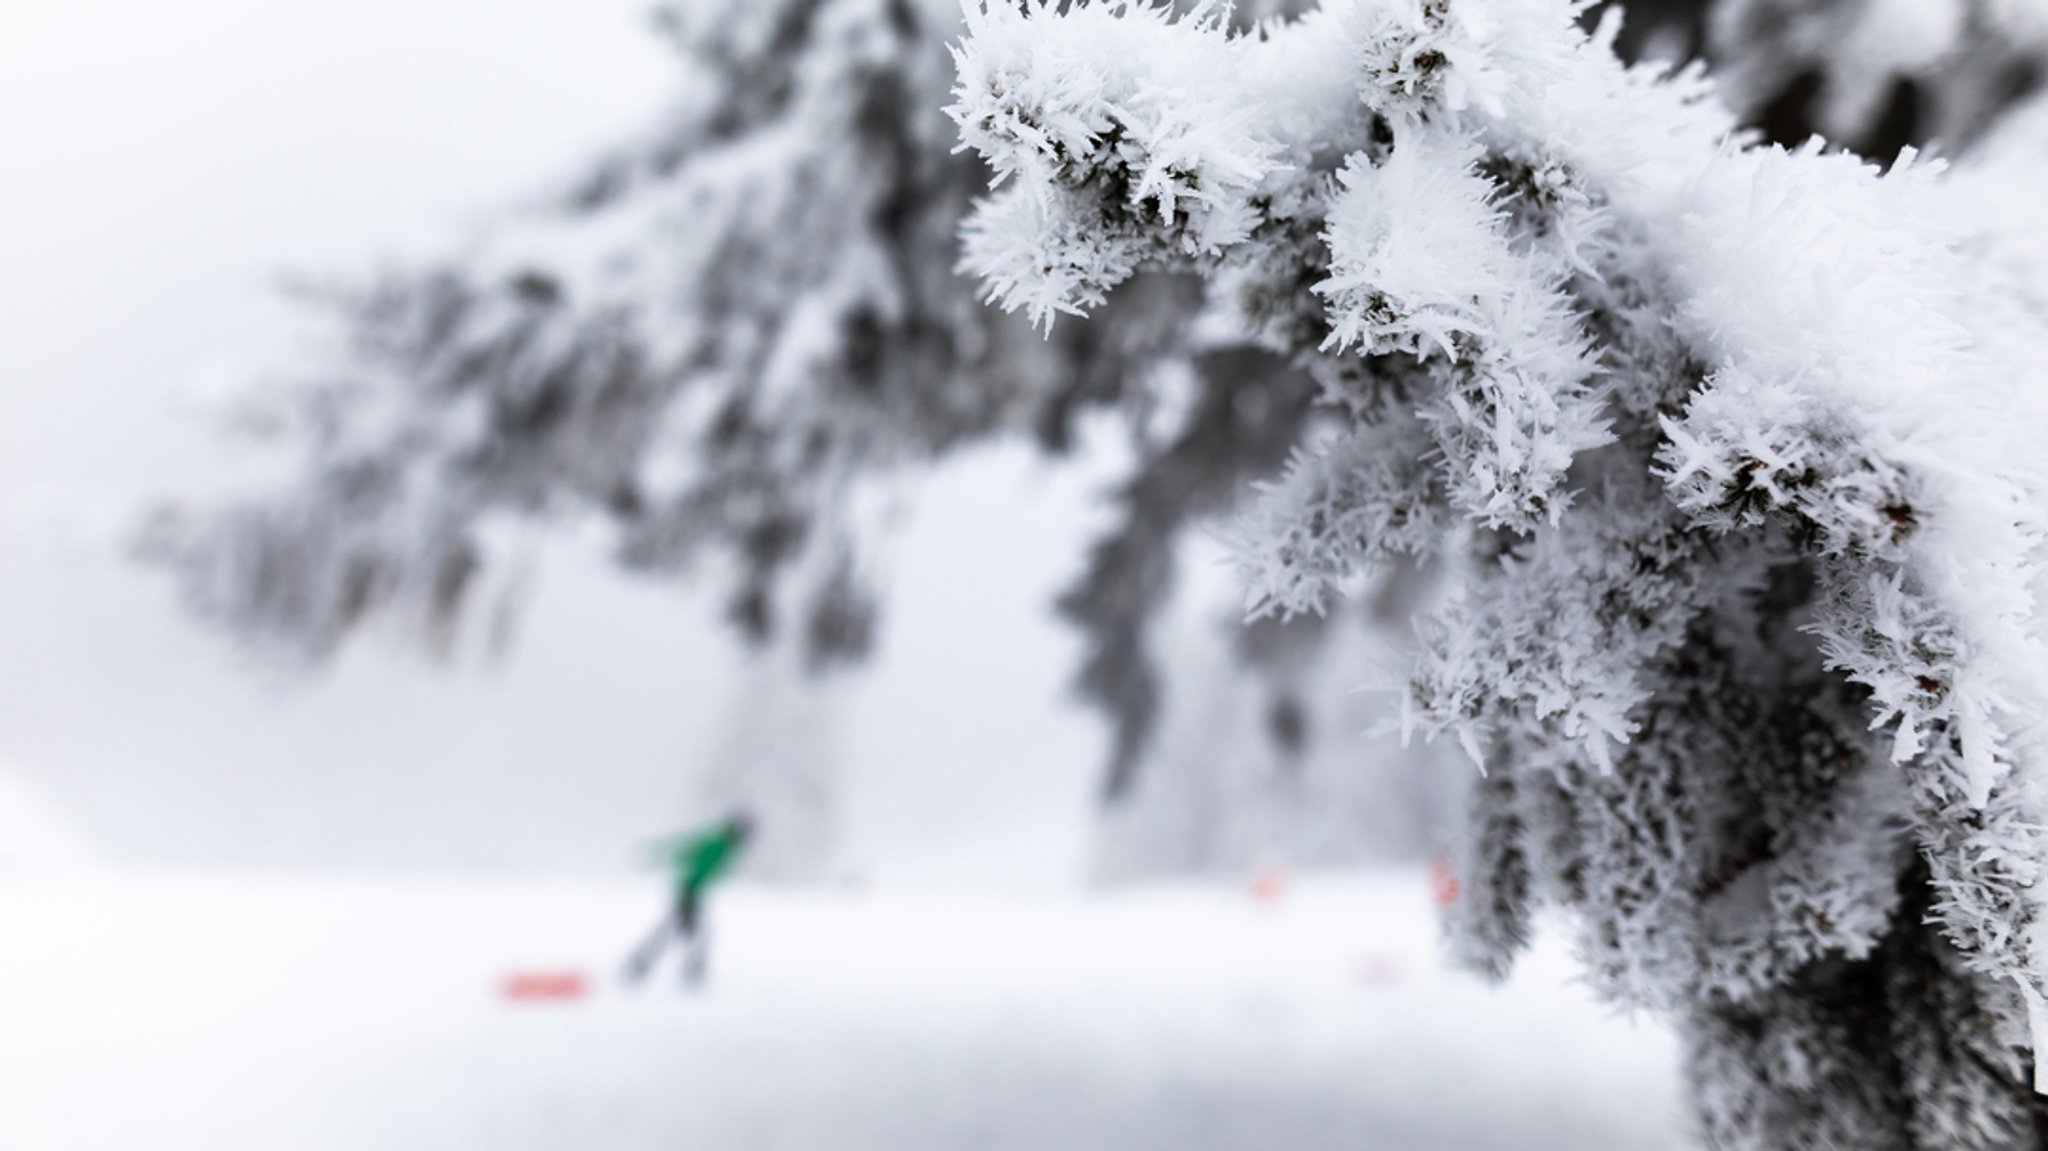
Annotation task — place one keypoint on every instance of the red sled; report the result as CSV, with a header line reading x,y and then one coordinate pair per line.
x,y
531,986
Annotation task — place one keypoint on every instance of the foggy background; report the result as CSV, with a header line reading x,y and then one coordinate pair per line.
x,y
164,166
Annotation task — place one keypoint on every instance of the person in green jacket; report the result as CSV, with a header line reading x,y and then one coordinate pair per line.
x,y
697,861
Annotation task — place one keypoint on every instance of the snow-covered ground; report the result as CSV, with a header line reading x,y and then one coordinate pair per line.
x,y
223,1011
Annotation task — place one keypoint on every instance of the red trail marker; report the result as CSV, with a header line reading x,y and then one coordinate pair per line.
x,y
1269,885
1443,882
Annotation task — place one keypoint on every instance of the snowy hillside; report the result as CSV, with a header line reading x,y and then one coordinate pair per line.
x,y
230,1013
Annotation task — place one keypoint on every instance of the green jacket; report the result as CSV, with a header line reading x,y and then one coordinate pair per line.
x,y
699,859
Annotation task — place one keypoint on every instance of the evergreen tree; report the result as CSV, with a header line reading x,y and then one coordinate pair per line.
x,y
1730,453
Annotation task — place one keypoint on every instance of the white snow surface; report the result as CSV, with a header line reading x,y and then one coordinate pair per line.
x,y
222,1011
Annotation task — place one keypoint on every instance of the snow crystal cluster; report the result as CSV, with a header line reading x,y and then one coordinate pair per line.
x,y
1731,454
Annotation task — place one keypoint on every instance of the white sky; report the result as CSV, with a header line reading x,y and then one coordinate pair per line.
x,y
160,163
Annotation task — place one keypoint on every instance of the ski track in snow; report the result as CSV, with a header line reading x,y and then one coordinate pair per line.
x,y
225,1012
